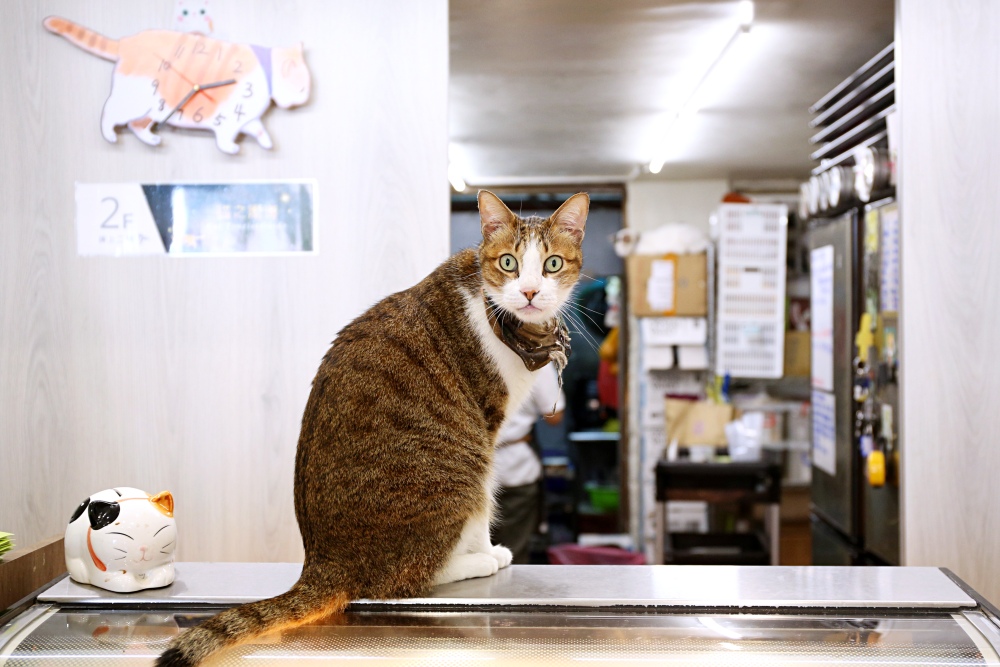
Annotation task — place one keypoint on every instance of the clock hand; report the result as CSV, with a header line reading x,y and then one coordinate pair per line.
x,y
191,93
204,86
194,91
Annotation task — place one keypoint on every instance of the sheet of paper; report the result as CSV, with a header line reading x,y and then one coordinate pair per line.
x,y
889,262
660,286
824,444
821,312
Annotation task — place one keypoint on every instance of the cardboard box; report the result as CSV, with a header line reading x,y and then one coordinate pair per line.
x,y
697,422
668,285
797,350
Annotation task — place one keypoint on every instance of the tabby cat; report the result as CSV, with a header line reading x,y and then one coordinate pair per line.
x,y
393,490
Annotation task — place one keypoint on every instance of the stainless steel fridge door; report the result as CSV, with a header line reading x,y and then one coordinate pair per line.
x,y
834,496
880,505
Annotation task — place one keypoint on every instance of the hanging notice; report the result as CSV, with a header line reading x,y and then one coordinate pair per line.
x,y
889,262
821,312
195,219
824,441
660,286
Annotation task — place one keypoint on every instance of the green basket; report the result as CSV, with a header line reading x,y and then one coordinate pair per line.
x,y
603,498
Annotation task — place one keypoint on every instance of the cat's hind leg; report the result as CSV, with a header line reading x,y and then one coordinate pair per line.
x,y
130,100
225,139
142,128
256,129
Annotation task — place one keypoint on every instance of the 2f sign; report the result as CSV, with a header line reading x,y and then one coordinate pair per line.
x,y
110,222
113,219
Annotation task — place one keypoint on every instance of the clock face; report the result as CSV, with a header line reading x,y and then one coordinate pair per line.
x,y
165,77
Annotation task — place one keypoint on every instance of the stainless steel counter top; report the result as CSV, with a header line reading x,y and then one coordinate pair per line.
x,y
584,586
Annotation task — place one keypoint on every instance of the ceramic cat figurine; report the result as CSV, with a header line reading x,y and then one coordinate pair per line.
x,y
123,540
192,81
393,490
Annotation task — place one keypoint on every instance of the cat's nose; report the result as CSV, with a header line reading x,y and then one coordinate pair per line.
x,y
529,294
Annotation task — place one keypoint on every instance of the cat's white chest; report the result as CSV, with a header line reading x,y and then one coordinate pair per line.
x,y
517,378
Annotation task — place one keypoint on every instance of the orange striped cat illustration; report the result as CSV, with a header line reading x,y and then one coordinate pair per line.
x,y
192,81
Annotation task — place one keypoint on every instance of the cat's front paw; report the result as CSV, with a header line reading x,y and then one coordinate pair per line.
x,y
502,554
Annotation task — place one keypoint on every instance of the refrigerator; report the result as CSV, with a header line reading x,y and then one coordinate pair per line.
x,y
854,294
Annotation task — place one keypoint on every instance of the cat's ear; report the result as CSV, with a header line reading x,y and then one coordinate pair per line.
x,y
571,217
493,214
102,513
79,510
164,502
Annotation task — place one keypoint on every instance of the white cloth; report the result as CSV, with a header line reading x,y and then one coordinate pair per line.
x,y
516,464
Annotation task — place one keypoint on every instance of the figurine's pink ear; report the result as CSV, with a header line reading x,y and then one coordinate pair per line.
x,y
163,501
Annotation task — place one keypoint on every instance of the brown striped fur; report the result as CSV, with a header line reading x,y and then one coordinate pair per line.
x,y
396,446
85,38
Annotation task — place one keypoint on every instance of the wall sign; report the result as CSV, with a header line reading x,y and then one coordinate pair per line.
x,y
824,422
821,312
196,219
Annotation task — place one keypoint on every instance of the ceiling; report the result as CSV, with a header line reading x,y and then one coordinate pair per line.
x,y
550,91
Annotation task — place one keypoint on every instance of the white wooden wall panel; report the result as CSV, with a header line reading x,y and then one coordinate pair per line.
x,y
948,59
191,375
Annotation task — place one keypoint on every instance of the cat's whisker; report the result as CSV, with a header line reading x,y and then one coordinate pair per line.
x,y
596,324
574,317
596,312
587,337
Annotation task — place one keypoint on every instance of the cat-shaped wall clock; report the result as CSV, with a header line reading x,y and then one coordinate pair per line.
x,y
123,540
188,80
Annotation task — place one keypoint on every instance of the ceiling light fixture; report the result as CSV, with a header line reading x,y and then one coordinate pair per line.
x,y
691,105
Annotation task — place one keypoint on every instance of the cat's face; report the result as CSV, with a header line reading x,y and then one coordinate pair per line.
x,y
290,79
530,266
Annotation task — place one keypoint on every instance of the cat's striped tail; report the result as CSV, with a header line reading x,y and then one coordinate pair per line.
x,y
86,39
308,600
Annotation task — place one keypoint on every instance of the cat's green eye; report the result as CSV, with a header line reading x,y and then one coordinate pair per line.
x,y
553,263
508,262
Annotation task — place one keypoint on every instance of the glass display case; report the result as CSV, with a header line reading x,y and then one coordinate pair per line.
x,y
542,615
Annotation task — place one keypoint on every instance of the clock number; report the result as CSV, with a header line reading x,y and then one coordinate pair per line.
x,y
239,111
239,67
114,204
197,117
219,119
156,85
180,114
163,103
249,90
180,51
199,49
164,65
218,54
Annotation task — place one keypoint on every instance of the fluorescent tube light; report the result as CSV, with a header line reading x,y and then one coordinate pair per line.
x,y
456,169
745,16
